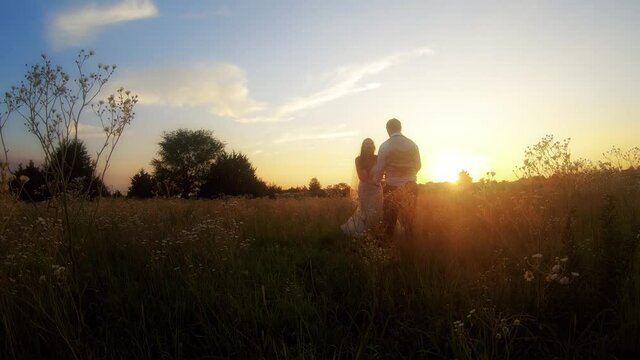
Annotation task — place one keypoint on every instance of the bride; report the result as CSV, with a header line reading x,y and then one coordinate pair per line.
x,y
369,194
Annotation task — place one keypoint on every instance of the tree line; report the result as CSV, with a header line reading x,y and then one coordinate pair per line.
x,y
189,164
193,163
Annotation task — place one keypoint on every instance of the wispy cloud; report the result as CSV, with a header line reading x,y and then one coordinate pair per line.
x,y
328,135
345,81
74,26
221,88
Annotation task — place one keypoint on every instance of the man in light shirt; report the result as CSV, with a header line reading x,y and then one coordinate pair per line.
x,y
398,162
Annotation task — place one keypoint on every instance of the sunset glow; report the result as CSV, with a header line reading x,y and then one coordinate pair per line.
x,y
474,84
445,167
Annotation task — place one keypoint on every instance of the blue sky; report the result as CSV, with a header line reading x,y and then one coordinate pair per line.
x,y
297,85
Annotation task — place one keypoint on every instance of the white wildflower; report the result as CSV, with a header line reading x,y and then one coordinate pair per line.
x,y
24,178
528,275
537,256
575,274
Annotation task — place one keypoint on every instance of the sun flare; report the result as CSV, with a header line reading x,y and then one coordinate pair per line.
x,y
445,166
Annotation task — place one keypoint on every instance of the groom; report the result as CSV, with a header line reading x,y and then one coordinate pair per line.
x,y
399,162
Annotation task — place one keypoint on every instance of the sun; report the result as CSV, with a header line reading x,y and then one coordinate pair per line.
x,y
445,166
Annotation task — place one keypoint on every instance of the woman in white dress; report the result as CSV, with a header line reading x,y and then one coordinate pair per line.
x,y
369,194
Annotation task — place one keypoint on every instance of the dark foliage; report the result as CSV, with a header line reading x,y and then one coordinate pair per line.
x,y
142,185
232,174
338,190
30,183
71,164
315,188
185,158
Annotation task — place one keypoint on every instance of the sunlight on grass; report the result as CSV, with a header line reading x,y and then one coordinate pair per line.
x,y
492,273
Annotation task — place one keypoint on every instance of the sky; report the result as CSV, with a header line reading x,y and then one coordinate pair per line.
x,y
297,85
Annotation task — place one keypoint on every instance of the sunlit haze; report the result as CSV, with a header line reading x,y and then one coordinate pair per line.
x,y
297,85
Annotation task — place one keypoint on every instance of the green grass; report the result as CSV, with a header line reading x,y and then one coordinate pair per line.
x,y
276,279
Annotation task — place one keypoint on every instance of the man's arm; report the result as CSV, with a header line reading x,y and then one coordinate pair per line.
x,y
378,170
417,160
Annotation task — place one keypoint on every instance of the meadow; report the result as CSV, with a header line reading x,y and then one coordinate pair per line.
x,y
523,270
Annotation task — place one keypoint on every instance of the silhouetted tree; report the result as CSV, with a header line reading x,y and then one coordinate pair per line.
x,y
72,161
30,183
142,185
338,190
232,174
185,158
315,188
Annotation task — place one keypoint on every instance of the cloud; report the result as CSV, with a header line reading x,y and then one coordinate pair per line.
x,y
330,135
74,26
87,131
346,80
220,87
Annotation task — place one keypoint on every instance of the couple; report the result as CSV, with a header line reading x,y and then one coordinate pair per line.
x,y
385,202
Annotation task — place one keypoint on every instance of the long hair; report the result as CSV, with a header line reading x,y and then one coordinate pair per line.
x,y
367,160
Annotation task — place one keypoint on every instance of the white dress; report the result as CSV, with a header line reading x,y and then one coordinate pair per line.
x,y
368,214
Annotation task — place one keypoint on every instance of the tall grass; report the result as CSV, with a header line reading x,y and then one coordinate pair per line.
x,y
268,278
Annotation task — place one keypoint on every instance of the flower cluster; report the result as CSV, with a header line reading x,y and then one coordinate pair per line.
x,y
556,271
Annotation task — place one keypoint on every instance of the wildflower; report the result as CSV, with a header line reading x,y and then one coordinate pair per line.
x,y
564,259
58,271
42,278
498,336
528,275
472,311
24,178
564,280
553,277
516,322
537,256
555,268
575,274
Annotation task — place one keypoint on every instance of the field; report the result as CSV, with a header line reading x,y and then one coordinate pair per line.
x,y
533,269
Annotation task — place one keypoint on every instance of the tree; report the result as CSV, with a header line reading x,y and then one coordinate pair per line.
x,y
142,185
338,190
232,174
72,162
315,188
185,158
